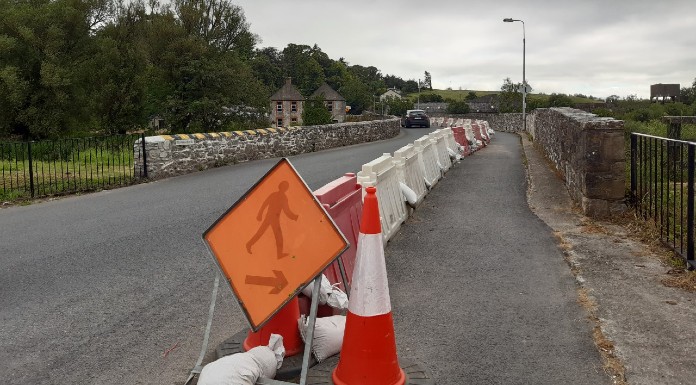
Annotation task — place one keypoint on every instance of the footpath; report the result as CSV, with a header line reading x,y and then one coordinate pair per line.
x,y
641,325
480,290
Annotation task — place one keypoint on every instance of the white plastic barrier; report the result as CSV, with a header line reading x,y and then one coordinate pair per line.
x,y
443,158
484,131
440,121
452,144
459,122
475,144
427,158
449,122
382,173
489,130
411,172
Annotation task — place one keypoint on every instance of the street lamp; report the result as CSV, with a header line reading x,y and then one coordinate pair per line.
x,y
524,80
419,87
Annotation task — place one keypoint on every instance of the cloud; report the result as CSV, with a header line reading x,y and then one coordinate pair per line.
x,y
590,47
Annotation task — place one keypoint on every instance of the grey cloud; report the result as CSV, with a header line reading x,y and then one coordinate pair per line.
x,y
590,46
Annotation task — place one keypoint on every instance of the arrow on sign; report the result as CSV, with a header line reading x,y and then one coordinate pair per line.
x,y
278,282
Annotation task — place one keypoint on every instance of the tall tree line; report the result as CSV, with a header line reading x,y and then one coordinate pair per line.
x,y
70,67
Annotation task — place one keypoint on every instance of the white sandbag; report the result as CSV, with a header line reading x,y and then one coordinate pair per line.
x,y
245,368
328,335
410,195
328,294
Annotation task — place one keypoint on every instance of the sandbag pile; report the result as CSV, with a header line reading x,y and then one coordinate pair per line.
x,y
245,368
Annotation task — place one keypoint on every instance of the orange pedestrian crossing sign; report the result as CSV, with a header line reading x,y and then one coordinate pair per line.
x,y
273,241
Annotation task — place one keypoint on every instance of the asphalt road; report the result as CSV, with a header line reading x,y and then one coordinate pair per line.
x,y
114,287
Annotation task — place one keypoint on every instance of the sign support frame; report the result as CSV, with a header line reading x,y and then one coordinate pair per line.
x,y
308,344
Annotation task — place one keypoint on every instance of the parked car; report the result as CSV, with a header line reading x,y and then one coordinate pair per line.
x,y
415,118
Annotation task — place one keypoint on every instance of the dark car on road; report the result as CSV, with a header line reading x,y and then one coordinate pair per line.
x,y
415,118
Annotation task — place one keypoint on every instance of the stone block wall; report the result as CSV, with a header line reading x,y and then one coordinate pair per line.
x,y
170,155
589,153
511,122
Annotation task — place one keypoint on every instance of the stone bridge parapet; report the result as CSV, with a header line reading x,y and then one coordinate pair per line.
x,y
589,153
170,155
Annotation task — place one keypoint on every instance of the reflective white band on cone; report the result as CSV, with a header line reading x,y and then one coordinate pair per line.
x,y
369,295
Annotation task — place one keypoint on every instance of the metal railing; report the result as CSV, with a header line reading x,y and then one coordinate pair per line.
x,y
662,189
55,167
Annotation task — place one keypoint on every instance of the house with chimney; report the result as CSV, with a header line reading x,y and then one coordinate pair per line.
x,y
286,106
334,102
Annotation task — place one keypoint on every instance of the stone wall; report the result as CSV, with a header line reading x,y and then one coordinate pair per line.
x,y
169,155
511,122
589,153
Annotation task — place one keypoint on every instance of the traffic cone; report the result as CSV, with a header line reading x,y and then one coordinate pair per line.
x,y
284,323
368,355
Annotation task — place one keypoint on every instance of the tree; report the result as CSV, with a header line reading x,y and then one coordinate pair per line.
x,y
509,99
688,94
43,47
560,100
398,106
458,107
431,98
427,81
471,95
391,81
219,23
315,112
357,94
267,65
410,86
299,64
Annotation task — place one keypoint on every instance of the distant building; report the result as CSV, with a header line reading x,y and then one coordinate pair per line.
x,y
432,108
664,91
286,106
392,92
335,103
486,103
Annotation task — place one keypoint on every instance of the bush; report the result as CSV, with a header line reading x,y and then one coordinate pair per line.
x,y
315,112
458,107
398,106
603,112
431,98
640,115
560,100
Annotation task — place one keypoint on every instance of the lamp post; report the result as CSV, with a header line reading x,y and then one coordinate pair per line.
x,y
524,80
419,87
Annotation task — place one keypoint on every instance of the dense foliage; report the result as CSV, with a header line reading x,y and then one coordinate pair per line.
x,y
315,112
396,106
458,107
70,67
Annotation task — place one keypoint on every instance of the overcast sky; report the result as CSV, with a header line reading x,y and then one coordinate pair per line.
x,y
593,47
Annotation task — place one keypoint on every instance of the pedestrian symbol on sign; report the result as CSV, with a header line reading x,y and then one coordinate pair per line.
x,y
277,204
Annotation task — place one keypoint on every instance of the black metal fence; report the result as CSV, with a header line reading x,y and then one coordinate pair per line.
x,y
54,167
662,188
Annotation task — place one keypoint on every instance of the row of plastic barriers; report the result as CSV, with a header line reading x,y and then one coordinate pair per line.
x,y
403,179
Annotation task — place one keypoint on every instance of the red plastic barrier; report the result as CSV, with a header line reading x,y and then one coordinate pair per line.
x,y
342,199
484,131
460,137
477,133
